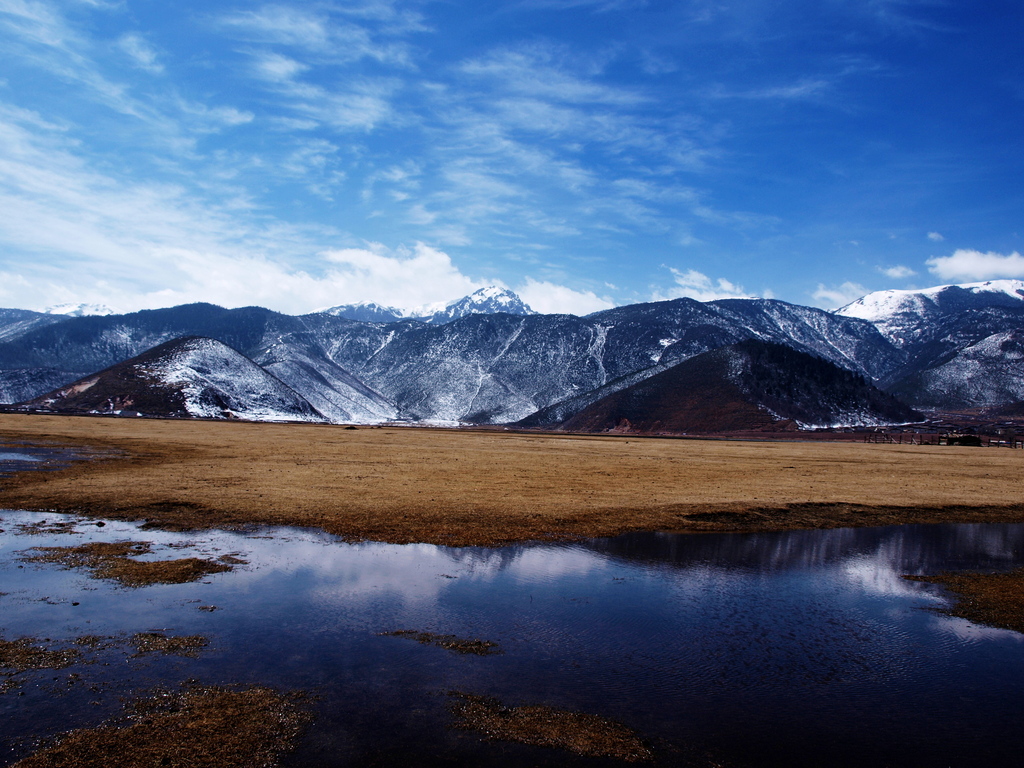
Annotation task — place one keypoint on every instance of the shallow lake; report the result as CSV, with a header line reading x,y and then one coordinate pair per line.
x,y
796,648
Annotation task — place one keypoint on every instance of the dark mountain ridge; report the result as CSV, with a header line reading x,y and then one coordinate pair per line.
x,y
752,385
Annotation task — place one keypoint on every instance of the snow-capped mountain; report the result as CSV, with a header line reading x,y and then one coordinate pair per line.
x,y
187,377
80,310
485,301
905,316
955,339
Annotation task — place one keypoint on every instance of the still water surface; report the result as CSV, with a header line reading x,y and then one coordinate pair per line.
x,y
796,648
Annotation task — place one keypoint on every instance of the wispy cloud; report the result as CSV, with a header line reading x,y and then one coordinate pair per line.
x,y
141,53
315,31
834,297
692,284
546,72
805,88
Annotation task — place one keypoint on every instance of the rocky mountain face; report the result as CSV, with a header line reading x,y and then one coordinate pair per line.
x,y
502,366
752,385
189,377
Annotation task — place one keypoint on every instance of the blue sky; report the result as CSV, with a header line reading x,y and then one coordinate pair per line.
x,y
585,153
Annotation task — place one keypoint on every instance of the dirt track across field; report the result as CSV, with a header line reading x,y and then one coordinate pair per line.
x,y
490,487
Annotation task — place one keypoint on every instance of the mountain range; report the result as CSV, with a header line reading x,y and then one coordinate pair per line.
x,y
489,359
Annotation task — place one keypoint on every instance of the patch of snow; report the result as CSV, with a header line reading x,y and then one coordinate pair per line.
x,y
80,310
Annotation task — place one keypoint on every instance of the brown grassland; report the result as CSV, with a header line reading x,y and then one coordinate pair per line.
x,y
463,487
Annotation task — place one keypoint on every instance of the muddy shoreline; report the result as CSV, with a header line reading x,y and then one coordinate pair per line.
x,y
403,485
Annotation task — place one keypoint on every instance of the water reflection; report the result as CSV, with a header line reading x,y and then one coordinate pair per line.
x,y
19,457
800,648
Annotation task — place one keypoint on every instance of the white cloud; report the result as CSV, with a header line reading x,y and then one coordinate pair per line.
x,y
897,272
835,297
550,298
935,237
967,265
696,285
405,277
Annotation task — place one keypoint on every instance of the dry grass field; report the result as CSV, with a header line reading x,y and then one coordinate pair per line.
x,y
492,487
489,487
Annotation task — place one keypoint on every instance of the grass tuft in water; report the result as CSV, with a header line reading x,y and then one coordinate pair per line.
x,y
542,726
114,560
449,642
201,727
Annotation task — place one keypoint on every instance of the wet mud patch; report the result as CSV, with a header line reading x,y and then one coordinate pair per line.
x,y
537,725
48,527
449,642
167,645
995,599
199,727
115,560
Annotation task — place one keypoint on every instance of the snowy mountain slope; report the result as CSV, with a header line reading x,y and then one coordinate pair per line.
x,y
188,377
987,374
328,387
17,322
94,343
18,384
668,332
488,368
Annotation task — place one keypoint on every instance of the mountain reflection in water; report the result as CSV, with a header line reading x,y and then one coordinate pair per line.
x,y
794,648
